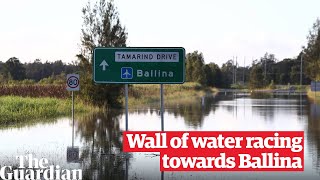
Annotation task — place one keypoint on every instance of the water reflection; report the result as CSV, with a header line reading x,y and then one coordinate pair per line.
x,y
28,123
194,111
99,136
313,131
102,155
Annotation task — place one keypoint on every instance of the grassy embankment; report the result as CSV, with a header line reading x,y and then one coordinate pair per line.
x,y
20,103
143,94
27,104
15,109
297,88
315,96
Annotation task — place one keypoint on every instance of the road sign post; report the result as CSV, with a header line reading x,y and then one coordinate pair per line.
x,y
73,84
161,107
126,99
138,65
162,118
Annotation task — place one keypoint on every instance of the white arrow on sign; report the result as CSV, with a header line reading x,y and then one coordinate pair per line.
x,y
104,64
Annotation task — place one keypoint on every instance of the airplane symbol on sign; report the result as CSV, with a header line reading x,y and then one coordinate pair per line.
x,y
126,73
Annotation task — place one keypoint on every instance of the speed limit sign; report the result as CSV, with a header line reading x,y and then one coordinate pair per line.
x,y
73,82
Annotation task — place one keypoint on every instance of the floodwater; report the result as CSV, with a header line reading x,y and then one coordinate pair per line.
x,y
99,136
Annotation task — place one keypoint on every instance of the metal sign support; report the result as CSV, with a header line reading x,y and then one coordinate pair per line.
x,y
126,104
126,99
73,84
161,107
162,119
72,119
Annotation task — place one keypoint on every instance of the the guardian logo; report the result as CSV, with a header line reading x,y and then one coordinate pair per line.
x,y
32,168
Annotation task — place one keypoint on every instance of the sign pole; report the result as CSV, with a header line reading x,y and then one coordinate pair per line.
x,y
161,107
126,102
127,169
126,99
301,72
162,120
72,119
73,84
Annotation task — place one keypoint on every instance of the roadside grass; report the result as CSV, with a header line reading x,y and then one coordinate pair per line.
x,y
302,88
15,109
315,96
143,94
34,90
21,110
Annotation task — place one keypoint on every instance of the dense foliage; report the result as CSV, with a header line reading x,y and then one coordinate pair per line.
x,y
312,52
101,28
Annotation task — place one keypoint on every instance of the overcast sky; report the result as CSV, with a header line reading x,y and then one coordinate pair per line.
x,y
50,30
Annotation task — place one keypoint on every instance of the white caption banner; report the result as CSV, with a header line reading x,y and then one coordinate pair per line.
x,y
146,56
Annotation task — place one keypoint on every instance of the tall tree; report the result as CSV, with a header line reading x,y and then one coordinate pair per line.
x,y
195,67
212,75
15,68
101,28
268,61
283,71
312,52
227,73
256,76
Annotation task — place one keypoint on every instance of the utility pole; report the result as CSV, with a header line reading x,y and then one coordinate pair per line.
x,y
244,67
232,69
236,70
301,70
265,69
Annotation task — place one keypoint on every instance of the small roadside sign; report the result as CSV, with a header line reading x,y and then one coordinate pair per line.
x,y
73,82
72,154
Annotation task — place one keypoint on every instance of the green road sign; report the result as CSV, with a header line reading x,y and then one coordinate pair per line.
x,y
139,65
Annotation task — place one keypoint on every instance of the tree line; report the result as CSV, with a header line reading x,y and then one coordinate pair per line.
x,y
36,71
263,72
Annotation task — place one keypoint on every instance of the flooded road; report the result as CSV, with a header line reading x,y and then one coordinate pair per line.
x,y
99,136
